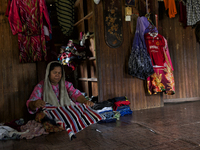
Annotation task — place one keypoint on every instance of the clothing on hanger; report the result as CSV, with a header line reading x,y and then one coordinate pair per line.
x,y
139,64
162,80
171,7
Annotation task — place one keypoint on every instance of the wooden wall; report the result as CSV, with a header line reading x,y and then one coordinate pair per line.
x,y
185,54
112,64
114,79
16,80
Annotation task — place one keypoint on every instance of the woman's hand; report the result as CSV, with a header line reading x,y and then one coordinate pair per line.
x,y
39,103
36,104
89,103
83,100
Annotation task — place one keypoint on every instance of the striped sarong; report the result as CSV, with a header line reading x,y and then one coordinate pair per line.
x,y
73,118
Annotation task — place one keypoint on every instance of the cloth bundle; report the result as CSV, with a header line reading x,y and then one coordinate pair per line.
x,y
124,110
8,133
109,116
32,129
70,53
113,108
101,105
121,104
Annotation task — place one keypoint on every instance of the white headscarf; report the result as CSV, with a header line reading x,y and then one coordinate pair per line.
x,y
48,94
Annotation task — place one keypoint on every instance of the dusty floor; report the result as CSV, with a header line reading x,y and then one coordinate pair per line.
x,y
172,127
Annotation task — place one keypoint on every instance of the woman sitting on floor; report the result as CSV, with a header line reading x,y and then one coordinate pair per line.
x,y
56,98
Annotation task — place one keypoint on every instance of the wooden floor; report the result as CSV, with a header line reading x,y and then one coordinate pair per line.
x,y
172,127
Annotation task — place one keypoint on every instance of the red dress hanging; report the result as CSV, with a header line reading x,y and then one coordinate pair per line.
x,y
26,18
162,80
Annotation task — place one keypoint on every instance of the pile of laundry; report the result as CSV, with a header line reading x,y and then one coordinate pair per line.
x,y
17,129
113,108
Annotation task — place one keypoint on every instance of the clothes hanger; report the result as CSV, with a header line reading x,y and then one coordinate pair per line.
x,y
151,26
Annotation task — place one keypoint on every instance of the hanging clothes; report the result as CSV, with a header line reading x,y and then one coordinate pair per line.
x,y
65,14
162,79
155,43
139,64
26,18
183,13
193,11
171,7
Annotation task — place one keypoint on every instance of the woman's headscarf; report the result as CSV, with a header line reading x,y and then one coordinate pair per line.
x,y
48,94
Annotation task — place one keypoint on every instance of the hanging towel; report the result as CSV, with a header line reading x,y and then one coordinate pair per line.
x,y
171,6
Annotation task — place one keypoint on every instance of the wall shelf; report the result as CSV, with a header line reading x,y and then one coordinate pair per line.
x,y
87,69
86,17
88,79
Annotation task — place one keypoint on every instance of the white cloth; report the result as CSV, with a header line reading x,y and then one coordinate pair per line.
x,y
104,109
8,132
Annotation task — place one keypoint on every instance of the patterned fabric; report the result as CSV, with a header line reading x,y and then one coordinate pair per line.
x,y
139,64
34,129
109,116
75,118
65,14
162,80
26,18
38,93
193,11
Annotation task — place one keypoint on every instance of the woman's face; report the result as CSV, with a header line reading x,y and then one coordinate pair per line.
x,y
55,75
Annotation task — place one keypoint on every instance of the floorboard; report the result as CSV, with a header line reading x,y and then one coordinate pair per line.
x,y
172,127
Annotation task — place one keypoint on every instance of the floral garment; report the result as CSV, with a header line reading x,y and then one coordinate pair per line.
x,y
38,93
162,80
27,18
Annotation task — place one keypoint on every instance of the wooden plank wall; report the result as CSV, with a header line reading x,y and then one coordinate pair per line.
x,y
112,65
185,54
16,80
113,78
